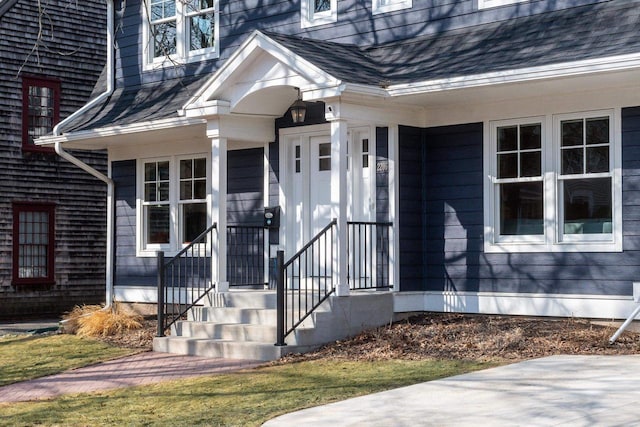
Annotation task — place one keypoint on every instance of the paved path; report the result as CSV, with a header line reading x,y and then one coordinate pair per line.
x,y
553,391
143,368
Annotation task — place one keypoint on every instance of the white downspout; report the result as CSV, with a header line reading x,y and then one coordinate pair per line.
x,y
57,131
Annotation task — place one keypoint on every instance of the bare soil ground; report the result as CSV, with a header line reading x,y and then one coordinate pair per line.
x,y
456,336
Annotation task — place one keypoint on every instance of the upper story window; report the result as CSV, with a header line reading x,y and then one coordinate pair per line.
x,y
554,184
384,6
40,110
485,4
172,197
318,12
180,31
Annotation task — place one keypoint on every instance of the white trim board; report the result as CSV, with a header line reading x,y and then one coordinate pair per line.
x,y
558,305
148,294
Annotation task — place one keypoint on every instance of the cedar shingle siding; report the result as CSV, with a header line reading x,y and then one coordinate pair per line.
x,y
72,50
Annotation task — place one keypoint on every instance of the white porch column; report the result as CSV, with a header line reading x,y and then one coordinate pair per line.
x,y
339,202
394,209
219,203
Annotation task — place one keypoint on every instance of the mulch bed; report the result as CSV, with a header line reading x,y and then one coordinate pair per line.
x,y
454,336
477,337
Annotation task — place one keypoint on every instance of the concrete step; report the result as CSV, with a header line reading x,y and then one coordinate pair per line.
x,y
242,298
242,332
258,299
257,316
224,348
226,331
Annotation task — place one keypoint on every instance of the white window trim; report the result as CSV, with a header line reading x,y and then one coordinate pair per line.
x,y
552,240
310,19
378,8
486,4
182,55
173,246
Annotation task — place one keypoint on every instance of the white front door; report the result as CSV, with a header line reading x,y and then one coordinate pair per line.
x,y
307,187
309,198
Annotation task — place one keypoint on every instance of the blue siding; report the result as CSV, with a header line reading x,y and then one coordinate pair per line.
x,y
382,175
129,269
441,198
411,172
245,187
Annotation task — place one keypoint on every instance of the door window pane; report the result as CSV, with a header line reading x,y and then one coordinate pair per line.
x,y
324,156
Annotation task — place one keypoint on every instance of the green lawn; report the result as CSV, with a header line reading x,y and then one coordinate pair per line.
x,y
24,357
237,399
246,398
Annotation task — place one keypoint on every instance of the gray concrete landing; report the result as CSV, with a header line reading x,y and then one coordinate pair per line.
x,y
553,391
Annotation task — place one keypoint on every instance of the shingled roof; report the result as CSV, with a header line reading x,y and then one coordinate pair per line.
x,y
585,32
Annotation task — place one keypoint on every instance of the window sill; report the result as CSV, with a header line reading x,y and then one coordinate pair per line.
x,y
319,20
177,61
584,246
487,4
393,7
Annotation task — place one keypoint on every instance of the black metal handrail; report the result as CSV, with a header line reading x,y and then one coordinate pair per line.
x,y
309,276
246,255
368,251
184,280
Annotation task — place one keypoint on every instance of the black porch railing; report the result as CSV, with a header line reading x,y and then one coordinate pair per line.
x,y
368,251
246,255
184,280
304,281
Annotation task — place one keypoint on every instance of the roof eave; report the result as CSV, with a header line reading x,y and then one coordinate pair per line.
x,y
567,69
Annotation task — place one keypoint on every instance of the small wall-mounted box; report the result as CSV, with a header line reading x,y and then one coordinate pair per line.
x,y
272,217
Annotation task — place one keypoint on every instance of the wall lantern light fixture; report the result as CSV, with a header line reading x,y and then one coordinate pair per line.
x,y
298,109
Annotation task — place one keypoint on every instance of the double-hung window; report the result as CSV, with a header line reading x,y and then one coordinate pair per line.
x,y
40,110
318,12
33,243
180,31
172,202
554,184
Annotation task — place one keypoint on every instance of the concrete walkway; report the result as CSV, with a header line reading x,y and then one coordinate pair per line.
x,y
553,391
139,369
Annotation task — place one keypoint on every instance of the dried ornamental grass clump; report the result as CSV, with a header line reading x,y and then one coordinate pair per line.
x,y
94,321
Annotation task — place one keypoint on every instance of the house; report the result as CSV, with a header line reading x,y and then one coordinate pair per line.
x,y
52,214
476,156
